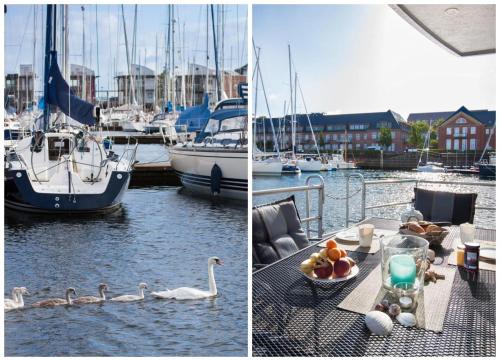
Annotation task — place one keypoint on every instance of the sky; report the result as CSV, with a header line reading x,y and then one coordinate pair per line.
x,y
363,58
151,24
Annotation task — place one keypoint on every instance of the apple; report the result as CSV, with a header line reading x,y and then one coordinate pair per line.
x,y
342,267
323,269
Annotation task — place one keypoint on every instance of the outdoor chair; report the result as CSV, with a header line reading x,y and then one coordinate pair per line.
x,y
437,206
277,232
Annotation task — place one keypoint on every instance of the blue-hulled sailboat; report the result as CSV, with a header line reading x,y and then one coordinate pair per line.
x,y
63,168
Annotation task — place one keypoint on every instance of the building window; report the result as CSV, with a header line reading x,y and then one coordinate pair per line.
x,y
448,131
393,135
456,144
472,144
472,130
358,136
365,136
384,125
464,130
487,131
448,143
461,121
334,136
464,144
358,145
374,135
457,131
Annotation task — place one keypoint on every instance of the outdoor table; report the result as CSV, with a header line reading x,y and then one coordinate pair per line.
x,y
293,316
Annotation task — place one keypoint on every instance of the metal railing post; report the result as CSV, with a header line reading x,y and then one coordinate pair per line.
x,y
308,228
347,201
363,199
321,203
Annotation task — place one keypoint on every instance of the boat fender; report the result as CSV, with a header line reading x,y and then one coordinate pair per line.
x,y
215,179
37,141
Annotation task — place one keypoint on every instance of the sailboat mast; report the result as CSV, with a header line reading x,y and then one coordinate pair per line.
x,y
208,57
84,73
33,102
255,102
48,39
166,79
174,80
291,100
97,57
217,80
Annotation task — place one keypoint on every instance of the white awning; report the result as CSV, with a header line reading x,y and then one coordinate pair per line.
x,y
462,29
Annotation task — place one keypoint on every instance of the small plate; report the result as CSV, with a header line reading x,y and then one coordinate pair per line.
x,y
351,235
488,254
332,279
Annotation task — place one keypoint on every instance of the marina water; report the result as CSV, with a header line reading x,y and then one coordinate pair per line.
x,y
335,191
161,236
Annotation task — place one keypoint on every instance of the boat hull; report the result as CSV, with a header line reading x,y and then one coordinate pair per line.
x,y
309,166
194,168
487,170
267,167
30,200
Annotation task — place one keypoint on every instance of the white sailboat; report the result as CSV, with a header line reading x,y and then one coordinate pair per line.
x,y
261,163
429,167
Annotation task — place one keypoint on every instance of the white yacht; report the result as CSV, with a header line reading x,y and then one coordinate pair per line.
x,y
267,166
216,162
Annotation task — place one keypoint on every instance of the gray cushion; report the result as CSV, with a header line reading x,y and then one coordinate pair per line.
x,y
277,231
284,245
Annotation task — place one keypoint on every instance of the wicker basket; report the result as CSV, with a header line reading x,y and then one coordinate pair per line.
x,y
434,237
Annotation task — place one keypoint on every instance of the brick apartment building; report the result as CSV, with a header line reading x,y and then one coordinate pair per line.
x,y
359,131
467,130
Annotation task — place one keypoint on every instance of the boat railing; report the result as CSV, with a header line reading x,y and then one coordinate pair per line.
x,y
128,155
365,184
307,188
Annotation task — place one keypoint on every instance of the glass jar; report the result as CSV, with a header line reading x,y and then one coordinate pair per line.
x,y
403,260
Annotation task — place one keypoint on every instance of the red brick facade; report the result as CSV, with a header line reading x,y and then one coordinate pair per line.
x,y
463,132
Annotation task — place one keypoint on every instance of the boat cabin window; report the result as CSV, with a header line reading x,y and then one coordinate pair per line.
x,y
58,147
212,126
233,124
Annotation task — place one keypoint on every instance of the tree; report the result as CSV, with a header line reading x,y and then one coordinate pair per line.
x,y
418,132
321,141
385,139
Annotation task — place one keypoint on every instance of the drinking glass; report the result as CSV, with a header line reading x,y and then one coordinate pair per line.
x,y
366,234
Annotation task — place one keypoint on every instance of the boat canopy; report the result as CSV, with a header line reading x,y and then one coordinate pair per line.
x,y
193,118
221,115
60,94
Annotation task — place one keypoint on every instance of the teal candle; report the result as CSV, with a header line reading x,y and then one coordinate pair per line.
x,y
403,269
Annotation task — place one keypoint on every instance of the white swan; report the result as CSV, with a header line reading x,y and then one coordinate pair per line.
x,y
17,299
128,298
51,302
187,293
92,299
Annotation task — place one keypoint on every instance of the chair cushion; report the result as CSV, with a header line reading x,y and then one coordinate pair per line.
x,y
465,208
276,227
423,202
437,206
284,245
262,251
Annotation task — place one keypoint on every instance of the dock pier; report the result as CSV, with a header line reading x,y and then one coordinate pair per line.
x,y
154,174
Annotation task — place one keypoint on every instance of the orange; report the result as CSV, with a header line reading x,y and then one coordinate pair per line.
x,y
334,254
343,252
331,244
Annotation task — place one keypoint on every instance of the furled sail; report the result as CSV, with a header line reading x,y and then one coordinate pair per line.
x,y
60,94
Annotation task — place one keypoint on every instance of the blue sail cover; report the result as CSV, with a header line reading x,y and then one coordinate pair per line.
x,y
194,118
61,95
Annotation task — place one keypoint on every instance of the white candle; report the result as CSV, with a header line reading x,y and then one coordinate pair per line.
x,y
405,302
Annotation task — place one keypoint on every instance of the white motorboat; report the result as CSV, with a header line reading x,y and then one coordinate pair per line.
x,y
337,162
216,162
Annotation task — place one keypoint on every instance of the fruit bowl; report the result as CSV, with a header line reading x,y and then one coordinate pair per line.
x,y
333,278
330,265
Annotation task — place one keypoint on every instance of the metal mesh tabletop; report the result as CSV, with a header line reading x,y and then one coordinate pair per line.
x,y
295,317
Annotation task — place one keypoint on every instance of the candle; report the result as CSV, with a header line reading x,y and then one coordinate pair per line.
x,y
403,269
460,257
405,302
